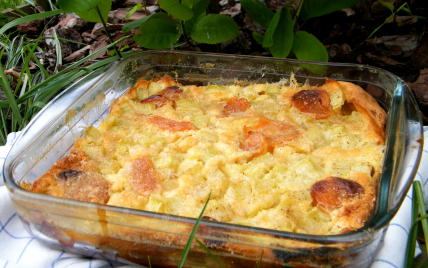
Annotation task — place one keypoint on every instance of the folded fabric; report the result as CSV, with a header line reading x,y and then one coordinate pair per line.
x,y
19,249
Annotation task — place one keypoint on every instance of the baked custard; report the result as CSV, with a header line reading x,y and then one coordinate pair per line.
x,y
282,156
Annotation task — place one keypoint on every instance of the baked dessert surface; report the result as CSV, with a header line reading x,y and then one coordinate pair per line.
x,y
281,156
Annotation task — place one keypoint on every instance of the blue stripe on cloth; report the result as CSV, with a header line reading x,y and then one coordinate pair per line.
x,y
22,253
3,228
425,151
5,264
385,261
400,226
7,222
53,263
111,264
425,182
409,197
70,264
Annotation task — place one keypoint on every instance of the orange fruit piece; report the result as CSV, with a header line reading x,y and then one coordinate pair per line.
x,y
158,100
169,124
276,133
255,143
235,106
143,176
330,193
315,102
173,93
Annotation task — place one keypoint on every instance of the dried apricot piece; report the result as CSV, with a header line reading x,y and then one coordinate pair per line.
x,y
83,185
235,106
158,100
143,176
255,143
330,193
276,133
315,102
169,124
173,93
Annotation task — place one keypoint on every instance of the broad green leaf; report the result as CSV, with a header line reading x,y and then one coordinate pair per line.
x,y
136,23
258,11
387,5
199,9
308,47
258,37
268,38
176,9
91,15
215,28
283,35
72,6
133,10
157,34
316,8
188,3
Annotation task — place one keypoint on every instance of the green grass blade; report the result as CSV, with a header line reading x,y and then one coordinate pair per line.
x,y
14,8
3,135
4,104
192,235
150,265
261,257
41,67
28,19
58,51
4,82
209,252
27,59
67,40
65,70
52,89
411,242
422,207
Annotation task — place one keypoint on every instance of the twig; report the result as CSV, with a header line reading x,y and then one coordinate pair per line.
x,y
185,35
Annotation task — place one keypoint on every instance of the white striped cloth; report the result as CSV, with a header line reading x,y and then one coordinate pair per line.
x,y
18,249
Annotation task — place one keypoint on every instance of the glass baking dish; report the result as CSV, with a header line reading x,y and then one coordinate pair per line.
x,y
131,235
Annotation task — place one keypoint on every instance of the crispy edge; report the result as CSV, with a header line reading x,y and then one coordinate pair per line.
x,y
366,104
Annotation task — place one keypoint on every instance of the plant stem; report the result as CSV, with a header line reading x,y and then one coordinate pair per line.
x,y
296,16
107,32
185,35
147,13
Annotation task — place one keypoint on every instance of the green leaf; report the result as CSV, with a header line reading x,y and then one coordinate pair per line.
x,y
215,28
199,9
387,5
316,8
137,23
258,11
157,34
91,15
176,9
192,235
72,6
133,10
258,37
268,38
282,37
28,19
308,47
209,252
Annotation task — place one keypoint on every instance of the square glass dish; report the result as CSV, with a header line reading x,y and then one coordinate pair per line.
x,y
131,235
